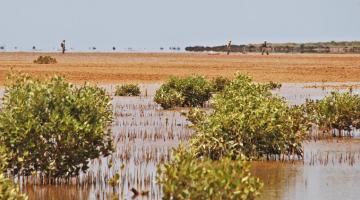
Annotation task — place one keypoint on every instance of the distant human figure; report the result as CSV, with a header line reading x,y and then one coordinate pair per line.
x,y
264,48
243,50
114,48
63,46
228,47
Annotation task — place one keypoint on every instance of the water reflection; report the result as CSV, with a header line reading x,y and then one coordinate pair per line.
x,y
330,170
55,192
297,93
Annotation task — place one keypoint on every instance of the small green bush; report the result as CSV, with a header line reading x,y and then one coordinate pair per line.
x,y
339,111
219,83
190,91
195,115
168,98
274,85
45,60
52,127
127,90
186,177
8,190
248,119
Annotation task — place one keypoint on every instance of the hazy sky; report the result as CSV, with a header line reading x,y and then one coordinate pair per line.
x,y
154,23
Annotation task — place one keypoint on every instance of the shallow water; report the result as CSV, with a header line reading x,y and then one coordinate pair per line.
x,y
145,134
297,93
330,170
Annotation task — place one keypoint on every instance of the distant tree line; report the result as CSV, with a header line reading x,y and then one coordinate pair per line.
x,y
319,47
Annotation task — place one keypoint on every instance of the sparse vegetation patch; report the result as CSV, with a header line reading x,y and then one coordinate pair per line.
x,y
45,60
127,90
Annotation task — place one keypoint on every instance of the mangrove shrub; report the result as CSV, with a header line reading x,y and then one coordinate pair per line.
x,y
248,119
127,90
186,177
339,111
219,83
52,127
190,91
8,190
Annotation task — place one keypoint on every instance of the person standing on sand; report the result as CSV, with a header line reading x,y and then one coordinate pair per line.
x,y
228,47
264,48
63,46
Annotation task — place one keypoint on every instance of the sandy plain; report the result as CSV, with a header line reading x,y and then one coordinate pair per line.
x,y
156,67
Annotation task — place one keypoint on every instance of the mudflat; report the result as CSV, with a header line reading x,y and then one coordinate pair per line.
x,y
157,67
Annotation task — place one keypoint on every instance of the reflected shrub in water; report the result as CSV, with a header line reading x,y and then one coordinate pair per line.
x,y
339,111
8,190
186,177
190,91
45,60
247,119
53,127
127,90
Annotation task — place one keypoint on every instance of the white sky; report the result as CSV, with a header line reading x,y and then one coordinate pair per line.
x,y
152,24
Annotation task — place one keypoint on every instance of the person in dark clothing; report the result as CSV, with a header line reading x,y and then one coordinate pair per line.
x,y
264,48
228,47
63,46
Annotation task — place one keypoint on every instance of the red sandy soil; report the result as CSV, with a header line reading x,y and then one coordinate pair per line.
x,y
157,67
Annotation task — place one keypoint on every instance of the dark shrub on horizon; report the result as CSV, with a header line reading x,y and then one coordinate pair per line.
x,y
45,60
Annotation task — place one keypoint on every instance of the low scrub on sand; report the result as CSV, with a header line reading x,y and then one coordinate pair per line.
x,y
127,90
52,128
187,177
45,60
247,119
